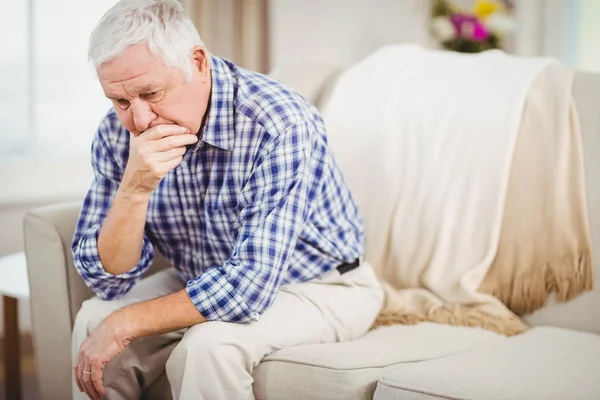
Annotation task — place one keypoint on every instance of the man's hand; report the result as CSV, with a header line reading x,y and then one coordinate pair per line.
x,y
137,320
153,154
102,345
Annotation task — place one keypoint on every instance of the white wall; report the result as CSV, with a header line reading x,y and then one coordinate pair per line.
x,y
342,31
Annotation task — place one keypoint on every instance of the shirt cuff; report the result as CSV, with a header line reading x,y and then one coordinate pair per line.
x,y
217,300
105,285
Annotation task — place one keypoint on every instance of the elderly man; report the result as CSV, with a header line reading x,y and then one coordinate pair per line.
x,y
228,174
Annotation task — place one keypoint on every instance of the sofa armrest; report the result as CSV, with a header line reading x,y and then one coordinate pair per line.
x,y
57,292
53,293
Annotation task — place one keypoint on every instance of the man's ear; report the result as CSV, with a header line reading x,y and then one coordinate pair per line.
x,y
200,61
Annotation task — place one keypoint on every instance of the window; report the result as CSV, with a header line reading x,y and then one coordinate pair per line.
x,y
14,88
50,99
586,15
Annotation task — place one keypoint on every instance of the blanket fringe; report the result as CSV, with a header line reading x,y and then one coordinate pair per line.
x,y
527,293
458,315
524,295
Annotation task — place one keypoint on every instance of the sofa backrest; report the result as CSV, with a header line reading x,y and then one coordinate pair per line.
x,y
315,82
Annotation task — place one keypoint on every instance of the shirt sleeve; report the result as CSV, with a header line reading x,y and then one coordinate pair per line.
x,y
107,176
276,198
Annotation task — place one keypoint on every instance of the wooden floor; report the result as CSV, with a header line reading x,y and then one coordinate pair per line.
x,y
29,382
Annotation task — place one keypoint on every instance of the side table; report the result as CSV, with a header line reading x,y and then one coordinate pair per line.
x,y
14,285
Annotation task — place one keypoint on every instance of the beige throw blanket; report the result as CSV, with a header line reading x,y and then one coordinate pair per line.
x,y
468,171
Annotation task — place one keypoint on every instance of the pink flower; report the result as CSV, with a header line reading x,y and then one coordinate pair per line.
x,y
469,27
480,32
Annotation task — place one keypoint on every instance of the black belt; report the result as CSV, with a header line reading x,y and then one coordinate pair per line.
x,y
347,267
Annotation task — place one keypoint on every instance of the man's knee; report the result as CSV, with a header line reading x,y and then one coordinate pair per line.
x,y
209,343
93,311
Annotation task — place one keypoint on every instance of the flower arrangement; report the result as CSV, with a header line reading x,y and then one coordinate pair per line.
x,y
481,29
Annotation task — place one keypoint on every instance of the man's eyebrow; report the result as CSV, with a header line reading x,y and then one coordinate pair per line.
x,y
150,87
146,88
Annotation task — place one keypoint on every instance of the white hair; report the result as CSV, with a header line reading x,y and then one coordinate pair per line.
x,y
162,25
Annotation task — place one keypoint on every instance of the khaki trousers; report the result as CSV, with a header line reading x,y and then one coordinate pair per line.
x,y
215,360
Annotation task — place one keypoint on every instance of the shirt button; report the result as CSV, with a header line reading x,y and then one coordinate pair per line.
x,y
191,212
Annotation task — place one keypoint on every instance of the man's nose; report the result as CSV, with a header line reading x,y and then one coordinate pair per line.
x,y
142,115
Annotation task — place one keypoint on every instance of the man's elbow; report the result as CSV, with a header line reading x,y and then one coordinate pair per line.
x,y
107,292
108,288
250,312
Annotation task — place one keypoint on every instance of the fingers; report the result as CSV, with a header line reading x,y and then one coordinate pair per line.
x,y
77,371
88,385
85,382
161,131
169,165
171,142
148,156
96,370
164,149
171,154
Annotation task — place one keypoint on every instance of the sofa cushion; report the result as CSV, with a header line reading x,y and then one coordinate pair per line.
x,y
544,363
350,370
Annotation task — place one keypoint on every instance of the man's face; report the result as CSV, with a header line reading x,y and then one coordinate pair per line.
x,y
146,93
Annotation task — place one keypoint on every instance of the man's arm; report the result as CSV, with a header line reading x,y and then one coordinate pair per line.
x,y
110,249
151,156
142,319
117,330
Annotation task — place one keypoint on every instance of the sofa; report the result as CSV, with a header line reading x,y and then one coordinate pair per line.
x,y
559,358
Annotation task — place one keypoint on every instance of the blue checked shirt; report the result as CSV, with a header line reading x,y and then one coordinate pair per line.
x,y
258,202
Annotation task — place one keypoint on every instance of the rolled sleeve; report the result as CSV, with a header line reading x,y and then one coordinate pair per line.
x,y
217,299
104,284
278,193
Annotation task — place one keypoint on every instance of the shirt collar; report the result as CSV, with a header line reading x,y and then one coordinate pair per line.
x,y
219,129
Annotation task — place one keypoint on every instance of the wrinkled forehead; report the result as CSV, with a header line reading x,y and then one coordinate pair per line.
x,y
135,61
132,87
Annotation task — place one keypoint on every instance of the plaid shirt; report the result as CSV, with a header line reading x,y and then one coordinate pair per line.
x,y
257,203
